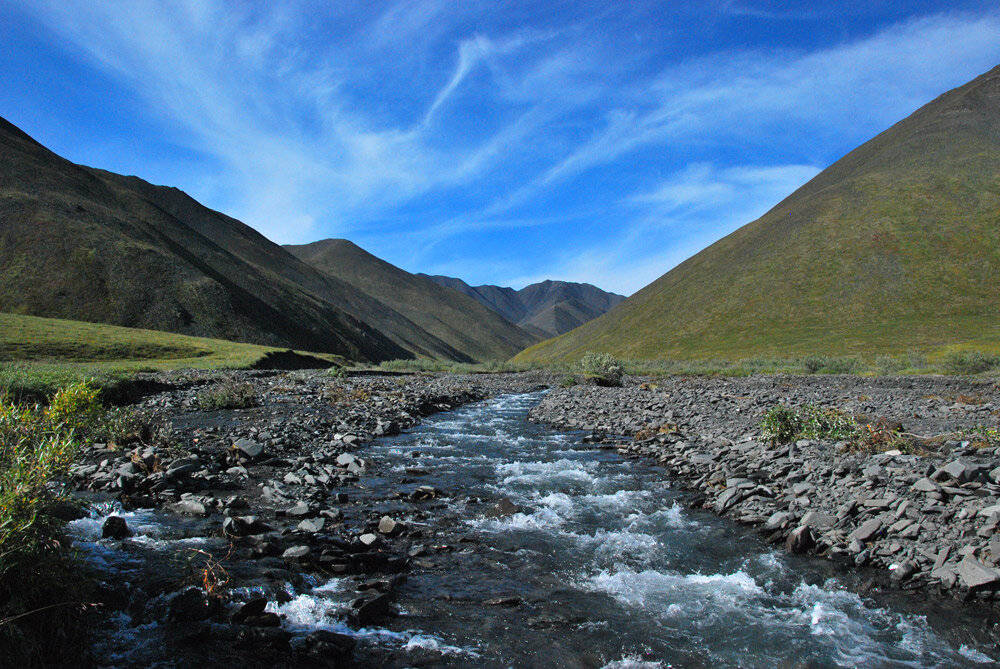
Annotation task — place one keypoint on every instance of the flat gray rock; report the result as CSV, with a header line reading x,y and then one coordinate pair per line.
x,y
867,531
977,576
249,448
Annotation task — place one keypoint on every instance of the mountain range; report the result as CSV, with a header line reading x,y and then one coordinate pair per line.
x,y
896,246
85,244
548,308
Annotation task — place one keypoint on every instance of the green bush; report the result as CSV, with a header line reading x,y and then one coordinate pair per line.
x,y
602,368
782,424
970,362
888,364
812,364
123,426
227,394
843,365
37,579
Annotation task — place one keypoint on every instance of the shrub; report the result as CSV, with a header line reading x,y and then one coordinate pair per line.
x,y
568,381
782,424
36,575
970,362
78,403
123,426
602,368
336,372
915,360
888,364
843,365
228,394
813,363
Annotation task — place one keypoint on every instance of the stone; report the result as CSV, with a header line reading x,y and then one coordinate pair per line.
x,y
368,611
867,531
326,646
189,507
989,511
311,525
244,526
926,484
192,604
501,509
115,527
367,539
903,570
300,510
254,607
345,459
389,527
778,520
818,521
728,498
296,553
977,576
800,540
249,448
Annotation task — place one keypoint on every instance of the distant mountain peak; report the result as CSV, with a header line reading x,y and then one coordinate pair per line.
x,y
547,308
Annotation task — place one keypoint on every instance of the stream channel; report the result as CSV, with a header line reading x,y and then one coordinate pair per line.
x,y
603,566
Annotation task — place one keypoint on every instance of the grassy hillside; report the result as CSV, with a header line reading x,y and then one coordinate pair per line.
x,y
87,245
433,321
41,354
895,247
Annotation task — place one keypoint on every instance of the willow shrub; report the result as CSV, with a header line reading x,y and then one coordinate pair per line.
x,y
38,590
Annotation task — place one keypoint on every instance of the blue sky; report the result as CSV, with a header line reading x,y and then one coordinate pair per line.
x,y
501,142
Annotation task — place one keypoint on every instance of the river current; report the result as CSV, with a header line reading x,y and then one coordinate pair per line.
x,y
602,566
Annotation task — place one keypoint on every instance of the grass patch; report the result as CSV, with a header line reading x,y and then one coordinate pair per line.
x,y
40,591
40,355
968,362
227,394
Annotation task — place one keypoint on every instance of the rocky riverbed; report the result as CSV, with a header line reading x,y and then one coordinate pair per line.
x,y
218,512
221,521
925,519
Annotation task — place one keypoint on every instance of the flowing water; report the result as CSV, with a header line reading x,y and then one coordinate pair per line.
x,y
605,567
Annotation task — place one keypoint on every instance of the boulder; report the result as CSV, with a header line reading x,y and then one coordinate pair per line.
x,y
800,540
244,526
115,527
501,509
249,448
977,576
296,553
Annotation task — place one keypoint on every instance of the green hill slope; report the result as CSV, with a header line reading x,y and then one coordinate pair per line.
x,y
894,247
84,244
459,327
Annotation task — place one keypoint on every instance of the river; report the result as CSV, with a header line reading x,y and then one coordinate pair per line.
x,y
603,565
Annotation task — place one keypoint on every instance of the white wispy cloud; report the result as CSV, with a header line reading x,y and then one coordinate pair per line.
x,y
743,97
237,84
